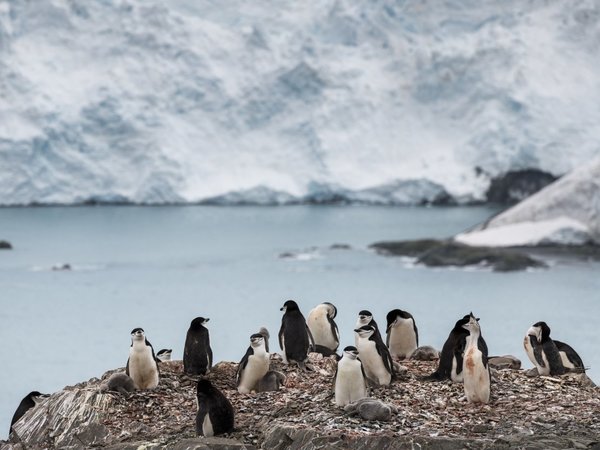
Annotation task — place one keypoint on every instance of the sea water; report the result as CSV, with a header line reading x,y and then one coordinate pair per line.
x,y
159,267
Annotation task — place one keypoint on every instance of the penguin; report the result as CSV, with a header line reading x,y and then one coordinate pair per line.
x,y
294,335
215,413
118,382
272,381
476,372
197,354
324,329
402,334
569,357
28,402
164,354
375,356
371,409
349,382
266,335
542,350
366,318
451,358
142,364
253,366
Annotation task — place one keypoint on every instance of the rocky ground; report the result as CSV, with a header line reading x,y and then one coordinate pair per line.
x,y
547,411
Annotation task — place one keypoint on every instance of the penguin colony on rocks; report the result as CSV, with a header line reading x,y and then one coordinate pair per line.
x,y
369,363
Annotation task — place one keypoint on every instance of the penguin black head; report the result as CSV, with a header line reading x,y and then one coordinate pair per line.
x,y
289,305
164,354
365,331
256,340
137,334
472,323
392,316
36,396
331,310
204,387
351,352
459,325
540,330
198,322
365,317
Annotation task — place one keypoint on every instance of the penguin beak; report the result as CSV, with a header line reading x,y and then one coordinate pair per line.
x,y
358,330
283,308
206,320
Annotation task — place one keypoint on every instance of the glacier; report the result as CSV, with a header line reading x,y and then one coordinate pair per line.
x,y
370,101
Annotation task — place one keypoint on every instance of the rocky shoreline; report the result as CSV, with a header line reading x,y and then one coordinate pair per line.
x,y
540,412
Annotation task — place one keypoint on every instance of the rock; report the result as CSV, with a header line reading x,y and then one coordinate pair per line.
x,y
340,247
59,267
504,362
5,245
425,353
514,186
407,248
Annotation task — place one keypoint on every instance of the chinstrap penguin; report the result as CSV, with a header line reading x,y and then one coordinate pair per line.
x,y
542,351
375,356
451,358
324,329
402,334
366,318
142,364
164,354
197,354
28,402
569,357
476,373
349,382
215,413
294,335
253,366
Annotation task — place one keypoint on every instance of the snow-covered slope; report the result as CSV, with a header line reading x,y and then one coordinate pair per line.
x,y
378,101
565,212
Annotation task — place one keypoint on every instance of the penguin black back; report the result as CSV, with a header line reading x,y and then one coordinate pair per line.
x,y
215,413
546,346
294,335
26,404
453,351
571,355
197,354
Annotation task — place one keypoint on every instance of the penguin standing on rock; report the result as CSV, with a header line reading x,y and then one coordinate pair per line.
x,y
253,366
28,402
323,328
451,358
197,354
142,364
476,372
215,413
349,382
542,350
164,354
375,356
402,334
294,336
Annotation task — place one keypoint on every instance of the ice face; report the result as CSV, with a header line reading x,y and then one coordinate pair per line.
x,y
398,103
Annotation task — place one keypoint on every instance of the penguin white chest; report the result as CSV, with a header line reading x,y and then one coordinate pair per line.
x,y
321,331
142,367
256,368
403,340
476,377
207,428
372,362
349,383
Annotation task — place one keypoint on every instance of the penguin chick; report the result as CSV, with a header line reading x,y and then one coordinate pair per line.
x,y
118,382
265,334
215,413
253,366
371,409
272,381
141,365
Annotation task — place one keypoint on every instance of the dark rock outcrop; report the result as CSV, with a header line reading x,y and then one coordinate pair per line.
x,y
441,253
5,245
514,186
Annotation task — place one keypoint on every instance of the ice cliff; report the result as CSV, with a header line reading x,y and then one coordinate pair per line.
x,y
381,101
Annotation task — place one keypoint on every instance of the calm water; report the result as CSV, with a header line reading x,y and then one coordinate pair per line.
x,y
159,267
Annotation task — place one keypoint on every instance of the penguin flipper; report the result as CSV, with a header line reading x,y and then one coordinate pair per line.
x,y
416,331
242,365
127,367
537,351
334,330
311,340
